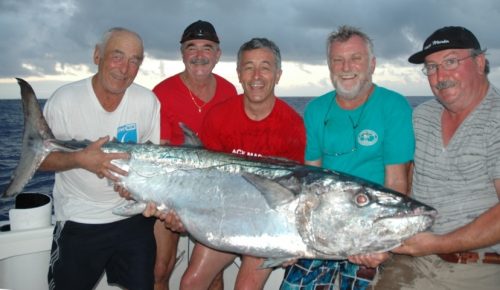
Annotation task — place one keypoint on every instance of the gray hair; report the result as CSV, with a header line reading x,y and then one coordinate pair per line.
x,y
344,33
478,52
101,45
256,43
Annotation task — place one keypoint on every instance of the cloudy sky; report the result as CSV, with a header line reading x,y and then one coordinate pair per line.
x,y
50,42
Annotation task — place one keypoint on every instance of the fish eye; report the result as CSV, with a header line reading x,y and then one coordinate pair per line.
x,y
361,199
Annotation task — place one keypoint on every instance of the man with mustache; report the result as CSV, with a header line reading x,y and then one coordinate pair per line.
x,y
186,97
457,171
361,129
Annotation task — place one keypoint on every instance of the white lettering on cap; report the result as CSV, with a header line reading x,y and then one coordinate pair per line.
x,y
436,42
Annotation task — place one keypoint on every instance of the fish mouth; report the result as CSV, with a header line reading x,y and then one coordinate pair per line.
x,y
423,211
430,214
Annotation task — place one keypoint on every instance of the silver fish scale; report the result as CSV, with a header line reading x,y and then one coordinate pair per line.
x,y
317,216
188,158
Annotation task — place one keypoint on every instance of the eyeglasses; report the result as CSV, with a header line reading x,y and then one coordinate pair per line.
x,y
448,64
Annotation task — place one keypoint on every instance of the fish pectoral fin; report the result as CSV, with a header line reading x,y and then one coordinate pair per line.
x,y
275,262
274,193
130,209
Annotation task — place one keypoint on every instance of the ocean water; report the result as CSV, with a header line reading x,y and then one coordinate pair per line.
x,y
11,129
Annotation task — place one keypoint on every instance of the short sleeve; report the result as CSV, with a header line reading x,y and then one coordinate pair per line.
x,y
399,142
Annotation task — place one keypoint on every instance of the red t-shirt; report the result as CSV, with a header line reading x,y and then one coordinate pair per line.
x,y
228,129
177,106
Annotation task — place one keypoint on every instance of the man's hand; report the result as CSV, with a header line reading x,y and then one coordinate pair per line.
x,y
290,262
421,244
93,159
170,219
123,192
369,260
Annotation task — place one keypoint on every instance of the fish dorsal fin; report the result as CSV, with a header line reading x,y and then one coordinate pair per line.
x,y
274,193
190,138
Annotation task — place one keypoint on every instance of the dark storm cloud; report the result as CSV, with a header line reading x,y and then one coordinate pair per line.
x,y
38,34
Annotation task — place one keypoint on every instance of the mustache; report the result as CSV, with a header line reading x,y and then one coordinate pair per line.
x,y
201,61
445,84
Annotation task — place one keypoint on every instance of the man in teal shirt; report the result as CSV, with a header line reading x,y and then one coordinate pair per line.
x,y
363,140
360,129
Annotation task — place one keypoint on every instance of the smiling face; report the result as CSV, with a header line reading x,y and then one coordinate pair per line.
x,y
458,87
200,56
118,62
351,67
258,74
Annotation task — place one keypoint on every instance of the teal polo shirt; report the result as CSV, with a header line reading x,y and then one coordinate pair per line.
x,y
362,141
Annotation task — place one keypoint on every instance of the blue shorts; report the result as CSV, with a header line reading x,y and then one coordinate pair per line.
x,y
321,274
125,249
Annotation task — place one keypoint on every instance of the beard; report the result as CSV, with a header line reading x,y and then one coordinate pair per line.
x,y
363,81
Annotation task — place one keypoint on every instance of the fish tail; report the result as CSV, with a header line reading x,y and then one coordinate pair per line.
x,y
36,141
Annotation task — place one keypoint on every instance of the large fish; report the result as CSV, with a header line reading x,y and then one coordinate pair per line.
x,y
263,207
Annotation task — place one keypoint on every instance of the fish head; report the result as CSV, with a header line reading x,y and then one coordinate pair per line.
x,y
346,217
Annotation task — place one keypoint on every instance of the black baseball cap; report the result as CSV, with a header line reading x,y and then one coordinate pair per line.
x,y
200,30
448,37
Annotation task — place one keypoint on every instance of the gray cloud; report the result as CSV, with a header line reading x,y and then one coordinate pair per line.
x,y
38,34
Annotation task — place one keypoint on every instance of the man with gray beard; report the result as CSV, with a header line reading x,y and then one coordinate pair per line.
x,y
457,171
361,129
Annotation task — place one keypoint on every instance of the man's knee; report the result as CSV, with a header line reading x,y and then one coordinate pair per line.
x,y
166,254
190,281
161,272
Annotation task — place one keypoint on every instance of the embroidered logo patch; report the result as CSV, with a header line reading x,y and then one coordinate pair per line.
x,y
367,137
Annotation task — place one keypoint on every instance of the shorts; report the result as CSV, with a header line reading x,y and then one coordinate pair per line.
x,y
81,253
321,274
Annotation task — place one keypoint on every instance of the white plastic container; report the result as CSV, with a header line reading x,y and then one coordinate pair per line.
x,y
32,211
25,247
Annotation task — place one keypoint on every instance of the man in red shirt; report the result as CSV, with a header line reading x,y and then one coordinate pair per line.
x,y
256,123
186,97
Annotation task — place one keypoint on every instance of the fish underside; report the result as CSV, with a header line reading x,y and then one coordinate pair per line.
x,y
264,207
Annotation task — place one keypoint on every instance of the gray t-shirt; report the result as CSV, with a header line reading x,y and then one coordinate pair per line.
x,y
458,180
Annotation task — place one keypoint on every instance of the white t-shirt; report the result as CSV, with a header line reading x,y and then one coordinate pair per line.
x,y
74,112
